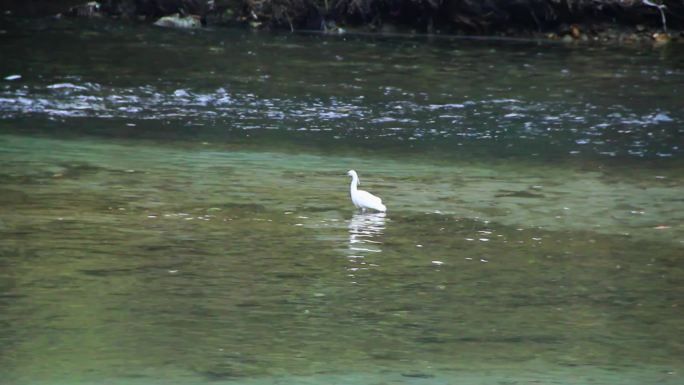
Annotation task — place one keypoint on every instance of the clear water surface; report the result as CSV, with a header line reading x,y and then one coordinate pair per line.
x,y
174,209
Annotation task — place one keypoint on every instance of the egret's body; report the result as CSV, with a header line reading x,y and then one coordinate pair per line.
x,y
363,199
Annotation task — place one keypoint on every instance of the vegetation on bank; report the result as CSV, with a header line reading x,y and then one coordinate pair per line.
x,y
563,19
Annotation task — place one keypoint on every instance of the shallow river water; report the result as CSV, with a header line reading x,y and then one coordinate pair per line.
x,y
174,209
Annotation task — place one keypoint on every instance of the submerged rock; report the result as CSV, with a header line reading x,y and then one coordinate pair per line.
x,y
178,21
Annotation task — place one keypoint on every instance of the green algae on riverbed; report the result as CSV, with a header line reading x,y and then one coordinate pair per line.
x,y
158,246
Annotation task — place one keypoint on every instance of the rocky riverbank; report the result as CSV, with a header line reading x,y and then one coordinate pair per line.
x,y
625,21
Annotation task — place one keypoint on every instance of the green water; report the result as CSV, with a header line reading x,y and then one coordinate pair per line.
x,y
174,210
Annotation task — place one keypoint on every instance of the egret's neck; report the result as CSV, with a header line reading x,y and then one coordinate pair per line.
x,y
354,182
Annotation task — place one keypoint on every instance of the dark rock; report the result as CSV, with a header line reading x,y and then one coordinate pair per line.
x,y
89,9
518,194
578,19
418,375
575,31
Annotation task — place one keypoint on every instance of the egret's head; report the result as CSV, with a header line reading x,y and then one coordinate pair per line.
x,y
354,176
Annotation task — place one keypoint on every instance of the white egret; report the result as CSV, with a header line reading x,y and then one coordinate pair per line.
x,y
363,199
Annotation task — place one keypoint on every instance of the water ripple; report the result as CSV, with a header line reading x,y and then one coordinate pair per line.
x,y
602,130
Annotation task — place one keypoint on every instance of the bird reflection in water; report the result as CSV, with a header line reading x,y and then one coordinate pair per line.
x,y
365,238
365,233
